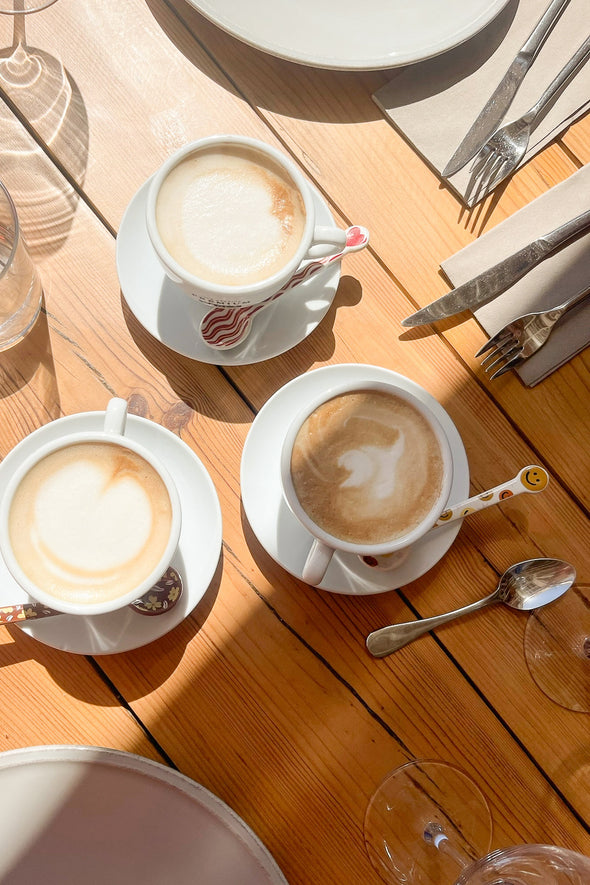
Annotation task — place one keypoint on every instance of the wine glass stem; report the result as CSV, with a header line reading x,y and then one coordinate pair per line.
x,y
435,835
18,30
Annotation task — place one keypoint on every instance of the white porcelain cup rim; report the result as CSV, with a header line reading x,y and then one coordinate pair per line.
x,y
113,433
326,544
313,237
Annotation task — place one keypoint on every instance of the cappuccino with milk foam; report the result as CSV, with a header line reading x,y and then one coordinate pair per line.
x,y
230,215
89,522
367,467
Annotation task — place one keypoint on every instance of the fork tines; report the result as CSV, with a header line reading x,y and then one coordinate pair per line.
x,y
506,353
498,340
487,170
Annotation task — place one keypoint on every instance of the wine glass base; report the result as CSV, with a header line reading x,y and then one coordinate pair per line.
x,y
557,649
424,822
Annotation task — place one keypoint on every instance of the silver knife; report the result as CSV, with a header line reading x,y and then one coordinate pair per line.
x,y
501,276
495,109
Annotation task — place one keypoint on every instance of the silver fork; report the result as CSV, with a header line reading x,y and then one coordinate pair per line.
x,y
518,340
502,153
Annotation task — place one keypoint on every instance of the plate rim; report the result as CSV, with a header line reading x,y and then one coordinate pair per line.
x,y
170,777
210,10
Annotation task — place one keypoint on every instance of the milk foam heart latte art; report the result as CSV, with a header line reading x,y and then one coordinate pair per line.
x,y
89,522
367,467
230,215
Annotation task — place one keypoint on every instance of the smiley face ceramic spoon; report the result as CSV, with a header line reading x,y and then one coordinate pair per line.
x,y
530,479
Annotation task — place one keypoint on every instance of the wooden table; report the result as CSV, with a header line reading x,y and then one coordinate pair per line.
x,y
266,694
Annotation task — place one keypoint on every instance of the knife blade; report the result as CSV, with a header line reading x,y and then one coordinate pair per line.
x,y
495,108
501,276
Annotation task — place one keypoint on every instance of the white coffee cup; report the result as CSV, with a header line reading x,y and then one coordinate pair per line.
x,y
376,471
136,503
233,237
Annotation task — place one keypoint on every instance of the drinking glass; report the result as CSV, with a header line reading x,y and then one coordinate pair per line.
x,y
428,823
20,285
24,73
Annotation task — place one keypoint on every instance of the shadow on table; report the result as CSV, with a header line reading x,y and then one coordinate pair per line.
x,y
265,81
301,91
151,664
30,364
187,376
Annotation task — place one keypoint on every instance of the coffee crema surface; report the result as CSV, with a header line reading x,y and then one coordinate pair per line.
x,y
89,522
230,215
367,467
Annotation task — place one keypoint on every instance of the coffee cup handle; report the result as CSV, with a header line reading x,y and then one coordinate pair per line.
x,y
326,241
115,416
317,562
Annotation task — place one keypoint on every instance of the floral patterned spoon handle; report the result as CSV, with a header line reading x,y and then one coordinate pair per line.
x,y
160,598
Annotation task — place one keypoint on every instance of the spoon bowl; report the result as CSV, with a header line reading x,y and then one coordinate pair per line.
x,y
535,582
524,586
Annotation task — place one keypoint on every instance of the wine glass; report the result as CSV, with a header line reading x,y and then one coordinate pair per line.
x,y
28,74
428,823
557,649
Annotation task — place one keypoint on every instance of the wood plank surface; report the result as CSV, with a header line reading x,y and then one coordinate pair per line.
x,y
52,698
296,744
266,693
175,87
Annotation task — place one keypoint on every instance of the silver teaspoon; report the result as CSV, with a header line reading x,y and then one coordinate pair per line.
x,y
524,586
159,599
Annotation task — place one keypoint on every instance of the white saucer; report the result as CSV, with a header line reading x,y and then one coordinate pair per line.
x,y
282,535
174,318
196,557
106,817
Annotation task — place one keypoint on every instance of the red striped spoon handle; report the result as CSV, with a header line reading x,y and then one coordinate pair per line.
x,y
225,327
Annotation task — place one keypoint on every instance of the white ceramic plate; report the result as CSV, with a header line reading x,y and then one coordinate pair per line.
x,y
282,535
196,557
105,817
349,34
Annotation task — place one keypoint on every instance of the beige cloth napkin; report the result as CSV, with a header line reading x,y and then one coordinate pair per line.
x,y
550,283
435,102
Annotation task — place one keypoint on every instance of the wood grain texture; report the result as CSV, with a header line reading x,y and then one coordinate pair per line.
x,y
266,694
296,741
52,698
186,78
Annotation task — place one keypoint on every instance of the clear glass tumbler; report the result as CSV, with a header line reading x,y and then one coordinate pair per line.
x,y
20,284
